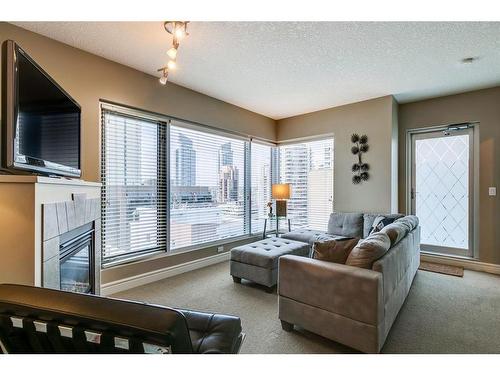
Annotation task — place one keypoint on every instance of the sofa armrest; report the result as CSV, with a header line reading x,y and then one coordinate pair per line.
x,y
352,292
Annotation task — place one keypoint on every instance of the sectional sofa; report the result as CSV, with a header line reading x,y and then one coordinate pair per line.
x,y
351,305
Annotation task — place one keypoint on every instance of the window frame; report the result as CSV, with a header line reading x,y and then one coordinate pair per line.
x,y
157,117
169,120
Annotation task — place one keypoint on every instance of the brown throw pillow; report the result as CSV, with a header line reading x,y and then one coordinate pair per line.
x,y
369,250
333,250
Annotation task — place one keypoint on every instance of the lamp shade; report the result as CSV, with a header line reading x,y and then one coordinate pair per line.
x,y
281,191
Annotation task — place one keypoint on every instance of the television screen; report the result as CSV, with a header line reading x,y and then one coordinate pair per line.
x,y
45,119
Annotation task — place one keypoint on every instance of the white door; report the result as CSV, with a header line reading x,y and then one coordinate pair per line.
x,y
442,190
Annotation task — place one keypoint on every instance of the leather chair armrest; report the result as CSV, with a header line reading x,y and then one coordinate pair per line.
x,y
352,292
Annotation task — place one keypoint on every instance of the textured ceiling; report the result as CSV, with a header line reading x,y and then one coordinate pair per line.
x,y
281,69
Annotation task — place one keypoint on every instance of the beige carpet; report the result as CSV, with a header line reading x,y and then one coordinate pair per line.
x,y
442,314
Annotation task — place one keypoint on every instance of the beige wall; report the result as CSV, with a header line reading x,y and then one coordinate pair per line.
x,y
375,118
89,78
482,106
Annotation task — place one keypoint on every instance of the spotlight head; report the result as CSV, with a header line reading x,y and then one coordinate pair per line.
x,y
172,65
177,28
180,32
172,53
164,78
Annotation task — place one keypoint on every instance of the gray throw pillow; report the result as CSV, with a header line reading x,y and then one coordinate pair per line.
x,y
369,218
367,251
380,222
410,221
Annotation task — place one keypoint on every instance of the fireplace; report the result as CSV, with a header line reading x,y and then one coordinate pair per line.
x,y
71,245
76,263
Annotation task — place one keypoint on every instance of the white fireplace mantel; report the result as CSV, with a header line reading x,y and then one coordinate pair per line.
x,y
21,200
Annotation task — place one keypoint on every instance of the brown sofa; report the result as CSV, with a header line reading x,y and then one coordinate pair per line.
x,y
350,305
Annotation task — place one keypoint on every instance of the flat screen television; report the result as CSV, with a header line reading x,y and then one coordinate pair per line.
x,y
40,121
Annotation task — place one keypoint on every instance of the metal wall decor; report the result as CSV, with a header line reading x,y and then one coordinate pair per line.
x,y
360,169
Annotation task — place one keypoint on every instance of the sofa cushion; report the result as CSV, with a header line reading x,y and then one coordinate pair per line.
x,y
346,224
265,253
306,235
368,220
396,232
333,250
369,250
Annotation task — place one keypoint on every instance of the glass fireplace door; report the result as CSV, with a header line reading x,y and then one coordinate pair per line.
x,y
75,264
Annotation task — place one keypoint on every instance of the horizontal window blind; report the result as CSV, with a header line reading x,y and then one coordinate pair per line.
x,y
133,173
195,185
261,181
207,186
308,167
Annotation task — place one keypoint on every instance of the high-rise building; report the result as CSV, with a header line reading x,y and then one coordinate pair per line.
x,y
228,175
185,162
294,167
308,167
225,155
228,184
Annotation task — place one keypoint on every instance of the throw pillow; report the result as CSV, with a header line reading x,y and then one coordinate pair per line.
x,y
380,222
367,251
334,250
396,232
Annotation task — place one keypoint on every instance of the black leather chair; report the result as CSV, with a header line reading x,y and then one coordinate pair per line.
x,y
39,320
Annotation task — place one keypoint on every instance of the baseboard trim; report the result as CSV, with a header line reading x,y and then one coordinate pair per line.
x,y
152,276
467,264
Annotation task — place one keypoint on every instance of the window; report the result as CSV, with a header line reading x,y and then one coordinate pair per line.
x,y
133,186
261,180
170,185
207,194
308,167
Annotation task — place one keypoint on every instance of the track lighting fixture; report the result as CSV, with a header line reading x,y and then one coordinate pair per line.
x,y
178,29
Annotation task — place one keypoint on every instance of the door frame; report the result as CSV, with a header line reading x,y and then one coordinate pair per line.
x,y
473,127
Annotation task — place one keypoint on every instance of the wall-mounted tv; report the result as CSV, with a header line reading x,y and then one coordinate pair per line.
x,y
40,121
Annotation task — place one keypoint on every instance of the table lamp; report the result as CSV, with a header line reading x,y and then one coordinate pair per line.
x,y
281,192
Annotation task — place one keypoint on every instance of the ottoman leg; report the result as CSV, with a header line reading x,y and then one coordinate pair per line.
x,y
286,326
270,289
237,280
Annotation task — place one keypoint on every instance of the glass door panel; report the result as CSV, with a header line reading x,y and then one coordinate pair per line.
x,y
442,190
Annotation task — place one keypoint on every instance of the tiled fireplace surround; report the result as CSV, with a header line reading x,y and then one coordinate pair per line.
x,y
62,217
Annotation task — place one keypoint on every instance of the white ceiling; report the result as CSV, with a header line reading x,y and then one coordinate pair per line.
x,y
282,69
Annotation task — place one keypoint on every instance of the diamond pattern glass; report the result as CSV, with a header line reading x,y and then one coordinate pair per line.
x,y
442,190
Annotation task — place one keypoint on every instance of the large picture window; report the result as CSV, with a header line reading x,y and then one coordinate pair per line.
x,y
308,167
169,185
207,187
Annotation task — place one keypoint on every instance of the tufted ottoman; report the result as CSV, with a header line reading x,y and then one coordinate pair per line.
x,y
258,261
